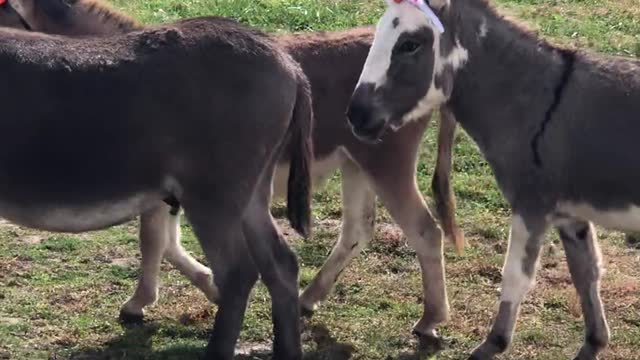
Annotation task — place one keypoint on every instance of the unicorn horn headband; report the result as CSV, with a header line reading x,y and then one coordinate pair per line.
x,y
426,9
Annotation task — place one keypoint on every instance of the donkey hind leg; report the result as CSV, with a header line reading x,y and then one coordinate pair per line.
x,y
153,242
199,275
219,231
358,217
518,275
278,268
583,257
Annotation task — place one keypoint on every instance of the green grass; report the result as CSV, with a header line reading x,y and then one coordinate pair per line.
x,y
271,15
60,294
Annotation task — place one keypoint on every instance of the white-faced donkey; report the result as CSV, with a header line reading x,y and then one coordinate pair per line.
x,y
98,130
332,61
558,127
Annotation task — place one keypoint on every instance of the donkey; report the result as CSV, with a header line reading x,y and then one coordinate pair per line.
x,y
386,169
165,113
543,116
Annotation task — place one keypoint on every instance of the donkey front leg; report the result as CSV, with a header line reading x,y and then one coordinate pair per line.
x,y
358,217
153,242
583,257
518,275
406,205
199,275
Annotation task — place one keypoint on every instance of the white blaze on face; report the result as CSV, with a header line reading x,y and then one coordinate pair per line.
x,y
409,19
405,18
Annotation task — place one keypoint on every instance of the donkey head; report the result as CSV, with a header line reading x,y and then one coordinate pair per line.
x,y
407,73
49,16
73,17
10,17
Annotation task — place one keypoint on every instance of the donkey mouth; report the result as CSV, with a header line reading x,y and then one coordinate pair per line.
x,y
372,134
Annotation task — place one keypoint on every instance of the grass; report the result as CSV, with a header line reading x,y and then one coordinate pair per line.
x,y
60,294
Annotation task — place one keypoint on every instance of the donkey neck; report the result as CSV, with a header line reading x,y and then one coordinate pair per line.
x,y
83,18
508,88
332,61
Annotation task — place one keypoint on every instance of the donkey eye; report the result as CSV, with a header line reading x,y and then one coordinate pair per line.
x,y
408,47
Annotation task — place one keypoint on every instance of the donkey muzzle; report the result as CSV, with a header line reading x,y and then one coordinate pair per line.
x,y
367,122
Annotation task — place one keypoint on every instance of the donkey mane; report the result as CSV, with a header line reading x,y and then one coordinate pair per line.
x,y
106,13
517,25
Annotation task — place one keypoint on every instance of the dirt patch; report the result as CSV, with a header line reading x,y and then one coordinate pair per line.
x,y
125,262
556,277
389,233
253,350
200,316
72,301
491,273
31,239
15,269
7,224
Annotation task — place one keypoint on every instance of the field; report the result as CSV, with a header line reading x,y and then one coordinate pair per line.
x,y
60,294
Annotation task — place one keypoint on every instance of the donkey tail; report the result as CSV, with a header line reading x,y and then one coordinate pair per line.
x,y
301,155
441,182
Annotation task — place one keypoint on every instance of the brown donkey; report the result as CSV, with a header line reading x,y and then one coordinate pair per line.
x,y
159,114
332,61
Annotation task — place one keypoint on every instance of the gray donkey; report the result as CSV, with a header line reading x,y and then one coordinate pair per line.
x,y
332,61
558,127
99,130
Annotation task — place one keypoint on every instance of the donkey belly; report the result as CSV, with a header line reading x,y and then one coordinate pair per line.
x,y
320,170
73,218
625,219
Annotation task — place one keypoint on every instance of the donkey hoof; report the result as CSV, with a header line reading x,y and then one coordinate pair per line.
x,y
306,313
481,353
292,356
429,343
580,357
476,356
129,319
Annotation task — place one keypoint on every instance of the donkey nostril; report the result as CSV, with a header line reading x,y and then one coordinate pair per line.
x,y
359,110
373,125
358,114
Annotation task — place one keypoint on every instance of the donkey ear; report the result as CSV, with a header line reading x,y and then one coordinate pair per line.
x,y
439,4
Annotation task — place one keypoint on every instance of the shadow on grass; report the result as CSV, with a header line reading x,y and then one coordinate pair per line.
x,y
137,343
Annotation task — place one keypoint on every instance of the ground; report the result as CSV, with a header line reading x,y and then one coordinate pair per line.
x,y
60,294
